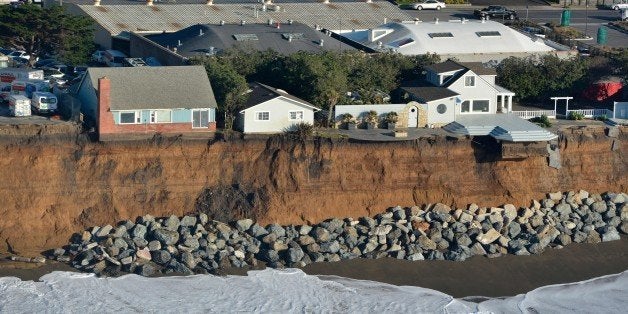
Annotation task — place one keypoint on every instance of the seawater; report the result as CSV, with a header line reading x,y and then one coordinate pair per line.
x,y
288,291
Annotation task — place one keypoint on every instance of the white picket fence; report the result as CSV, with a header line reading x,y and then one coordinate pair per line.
x,y
592,113
529,114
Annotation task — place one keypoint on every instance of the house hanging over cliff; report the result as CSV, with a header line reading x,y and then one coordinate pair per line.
x,y
148,100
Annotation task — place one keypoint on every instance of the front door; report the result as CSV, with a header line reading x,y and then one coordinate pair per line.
x,y
413,117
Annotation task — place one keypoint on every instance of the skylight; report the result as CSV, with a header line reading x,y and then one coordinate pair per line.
x,y
440,35
245,37
402,42
294,36
488,34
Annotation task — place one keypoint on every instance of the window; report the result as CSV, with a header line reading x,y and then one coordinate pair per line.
x,y
160,116
469,81
442,108
245,37
296,115
480,105
129,117
262,116
402,42
200,118
446,78
466,106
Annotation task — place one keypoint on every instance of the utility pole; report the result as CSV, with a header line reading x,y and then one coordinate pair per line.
x,y
586,18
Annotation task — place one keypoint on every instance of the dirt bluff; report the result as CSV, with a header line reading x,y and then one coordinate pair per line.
x,y
52,186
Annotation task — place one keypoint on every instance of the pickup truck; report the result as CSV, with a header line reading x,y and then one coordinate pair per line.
x,y
493,11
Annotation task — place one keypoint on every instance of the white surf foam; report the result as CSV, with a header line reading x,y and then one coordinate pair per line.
x,y
287,291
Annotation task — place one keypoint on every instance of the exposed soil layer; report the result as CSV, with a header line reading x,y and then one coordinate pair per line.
x,y
54,185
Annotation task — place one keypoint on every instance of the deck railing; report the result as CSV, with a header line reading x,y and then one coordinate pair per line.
x,y
592,113
529,114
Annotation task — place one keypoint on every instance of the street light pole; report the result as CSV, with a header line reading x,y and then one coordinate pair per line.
x,y
527,4
586,18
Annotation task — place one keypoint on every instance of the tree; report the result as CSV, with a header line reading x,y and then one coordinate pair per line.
x,y
229,87
36,30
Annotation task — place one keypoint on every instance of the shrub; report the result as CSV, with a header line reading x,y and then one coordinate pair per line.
x,y
392,117
302,130
573,115
346,117
601,118
542,121
371,117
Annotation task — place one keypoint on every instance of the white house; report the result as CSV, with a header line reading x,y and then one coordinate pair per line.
x,y
272,110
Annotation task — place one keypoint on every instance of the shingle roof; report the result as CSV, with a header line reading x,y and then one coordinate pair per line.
x,y
260,93
429,93
197,39
446,66
478,68
156,87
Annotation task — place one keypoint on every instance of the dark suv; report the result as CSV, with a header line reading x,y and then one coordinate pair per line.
x,y
496,11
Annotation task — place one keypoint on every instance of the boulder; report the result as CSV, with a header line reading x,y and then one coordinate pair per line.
x,y
188,260
172,223
382,230
154,245
276,229
191,242
488,237
143,254
119,231
305,240
510,211
139,231
420,225
593,237
321,234
610,235
257,231
624,227
563,239
563,209
145,270
161,256
426,243
166,236
243,225
305,229
556,196
104,231
188,221
268,256
294,255
599,207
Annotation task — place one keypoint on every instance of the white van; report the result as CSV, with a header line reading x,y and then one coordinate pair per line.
x,y
19,105
114,58
44,102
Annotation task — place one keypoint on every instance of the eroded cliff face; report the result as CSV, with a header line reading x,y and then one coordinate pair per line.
x,y
52,187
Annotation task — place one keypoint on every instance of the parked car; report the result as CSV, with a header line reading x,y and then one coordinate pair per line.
x,y
493,11
20,61
114,58
619,6
429,4
52,72
5,52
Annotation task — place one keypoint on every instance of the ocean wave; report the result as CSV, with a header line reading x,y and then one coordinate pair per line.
x,y
289,291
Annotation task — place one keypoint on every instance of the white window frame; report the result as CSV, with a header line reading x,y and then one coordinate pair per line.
x,y
296,112
261,112
209,118
465,80
152,116
471,107
138,116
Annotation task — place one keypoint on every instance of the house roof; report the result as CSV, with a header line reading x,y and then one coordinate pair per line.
x,y
450,65
448,38
429,93
260,93
198,40
171,18
156,87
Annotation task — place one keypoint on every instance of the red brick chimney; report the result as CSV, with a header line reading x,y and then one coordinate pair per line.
x,y
105,118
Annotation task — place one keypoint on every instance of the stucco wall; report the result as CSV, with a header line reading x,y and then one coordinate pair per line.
x,y
481,91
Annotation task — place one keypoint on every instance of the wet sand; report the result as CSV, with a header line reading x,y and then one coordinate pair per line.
x,y
479,276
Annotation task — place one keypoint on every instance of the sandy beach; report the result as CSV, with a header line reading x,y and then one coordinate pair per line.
x,y
479,276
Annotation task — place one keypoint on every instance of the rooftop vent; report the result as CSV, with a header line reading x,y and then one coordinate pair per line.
x,y
222,23
96,2
242,22
435,20
488,34
291,36
149,2
440,35
321,43
270,21
200,32
209,2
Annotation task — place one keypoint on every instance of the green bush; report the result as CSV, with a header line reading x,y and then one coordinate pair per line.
x,y
542,121
371,117
302,130
346,117
601,118
575,116
392,117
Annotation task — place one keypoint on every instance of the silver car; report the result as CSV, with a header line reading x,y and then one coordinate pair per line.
x,y
429,5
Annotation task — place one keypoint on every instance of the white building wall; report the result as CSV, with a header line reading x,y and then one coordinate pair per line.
x,y
279,111
433,117
481,91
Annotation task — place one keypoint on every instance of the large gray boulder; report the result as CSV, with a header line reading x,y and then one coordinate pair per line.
x,y
172,223
166,236
139,231
188,221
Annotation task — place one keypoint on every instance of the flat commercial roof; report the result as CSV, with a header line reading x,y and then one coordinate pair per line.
x,y
170,18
